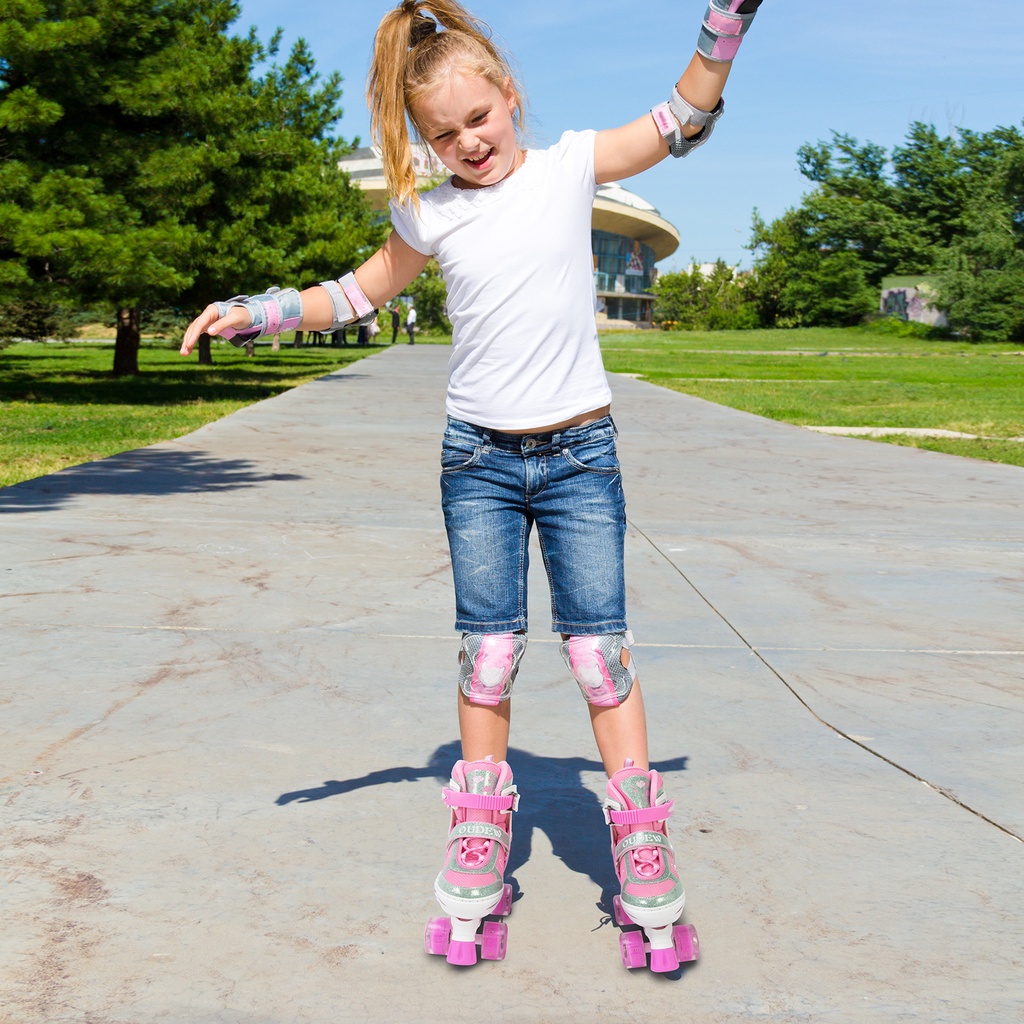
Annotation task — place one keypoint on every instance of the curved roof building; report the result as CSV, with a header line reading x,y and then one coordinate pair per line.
x,y
628,235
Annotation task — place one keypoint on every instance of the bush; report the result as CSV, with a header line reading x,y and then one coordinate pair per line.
x,y
894,327
27,320
703,299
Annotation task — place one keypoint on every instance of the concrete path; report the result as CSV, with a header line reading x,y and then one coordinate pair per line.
x,y
227,711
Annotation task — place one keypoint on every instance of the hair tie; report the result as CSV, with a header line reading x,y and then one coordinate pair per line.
x,y
422,28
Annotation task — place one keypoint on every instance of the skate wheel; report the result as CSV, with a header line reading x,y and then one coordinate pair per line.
x,y
684,939
619,913
631,946
494,940
504,906
437,936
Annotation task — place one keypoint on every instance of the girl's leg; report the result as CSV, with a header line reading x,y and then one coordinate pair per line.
x,y
621,732
483,729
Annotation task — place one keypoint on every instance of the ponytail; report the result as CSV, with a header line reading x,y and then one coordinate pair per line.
x,y
410,57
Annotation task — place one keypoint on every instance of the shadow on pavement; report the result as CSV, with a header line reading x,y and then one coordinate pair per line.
x,y
145,471
554,800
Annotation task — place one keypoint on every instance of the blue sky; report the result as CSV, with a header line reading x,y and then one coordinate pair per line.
x,y
866,68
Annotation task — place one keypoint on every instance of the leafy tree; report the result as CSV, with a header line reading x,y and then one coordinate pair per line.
x,y
431,298
145,164
928,207
981,275
796,284
697,300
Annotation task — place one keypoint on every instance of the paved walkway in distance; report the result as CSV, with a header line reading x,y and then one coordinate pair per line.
x,y
227,703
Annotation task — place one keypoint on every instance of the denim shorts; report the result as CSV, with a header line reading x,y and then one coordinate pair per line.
x,y
496,486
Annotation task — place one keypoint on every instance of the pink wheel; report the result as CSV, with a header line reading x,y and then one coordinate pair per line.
x,y
494,940
619,913
504,906
437,936
684,939
631,945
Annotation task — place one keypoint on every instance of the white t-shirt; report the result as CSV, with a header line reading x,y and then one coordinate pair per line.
x,y
517,260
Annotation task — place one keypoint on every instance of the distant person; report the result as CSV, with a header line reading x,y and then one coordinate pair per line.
x,y
529,441
396,324
410,324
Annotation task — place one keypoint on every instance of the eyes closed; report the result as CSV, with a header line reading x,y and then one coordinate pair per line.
x,y
478,119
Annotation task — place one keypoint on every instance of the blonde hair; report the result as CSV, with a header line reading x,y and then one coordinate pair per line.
x,y
410,58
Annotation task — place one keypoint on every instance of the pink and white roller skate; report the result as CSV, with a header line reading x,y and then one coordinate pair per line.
x,y
651,894
471,886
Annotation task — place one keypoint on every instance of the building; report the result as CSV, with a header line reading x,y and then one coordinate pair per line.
x,y
911,298
629,235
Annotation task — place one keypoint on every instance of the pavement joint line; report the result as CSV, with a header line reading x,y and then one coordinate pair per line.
x,y
649,644
941,790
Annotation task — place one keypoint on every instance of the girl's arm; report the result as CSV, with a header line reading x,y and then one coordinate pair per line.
x,y
388,272
383,276
622,152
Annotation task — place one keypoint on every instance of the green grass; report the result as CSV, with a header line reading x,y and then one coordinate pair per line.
x,y
851,378
60,405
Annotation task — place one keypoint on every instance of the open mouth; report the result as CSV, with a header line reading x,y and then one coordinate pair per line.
x,y
480,161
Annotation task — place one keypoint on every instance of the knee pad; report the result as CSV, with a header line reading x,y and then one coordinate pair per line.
x,y
596,664
488,663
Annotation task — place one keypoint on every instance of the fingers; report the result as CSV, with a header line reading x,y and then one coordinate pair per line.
x,y
211,322
202,324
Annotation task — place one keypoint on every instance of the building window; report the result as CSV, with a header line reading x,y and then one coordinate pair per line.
x,y
622,263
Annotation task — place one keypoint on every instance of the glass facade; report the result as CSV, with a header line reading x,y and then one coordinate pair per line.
x,y
623,274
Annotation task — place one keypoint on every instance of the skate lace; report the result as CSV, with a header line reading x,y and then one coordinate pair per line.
x,y
474,853
647,862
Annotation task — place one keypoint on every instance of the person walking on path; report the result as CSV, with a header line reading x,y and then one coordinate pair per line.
x,y
529,440
396,323
410,324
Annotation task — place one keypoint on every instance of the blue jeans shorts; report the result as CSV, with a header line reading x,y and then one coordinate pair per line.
x,y
495,487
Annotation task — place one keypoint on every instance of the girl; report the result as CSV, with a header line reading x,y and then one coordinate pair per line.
x,y
529,439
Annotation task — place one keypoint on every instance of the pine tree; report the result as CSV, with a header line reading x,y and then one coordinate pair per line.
x,y
145,163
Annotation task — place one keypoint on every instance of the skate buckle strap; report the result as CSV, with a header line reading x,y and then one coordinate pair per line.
x,y
639,840
481,801
480,830
639,815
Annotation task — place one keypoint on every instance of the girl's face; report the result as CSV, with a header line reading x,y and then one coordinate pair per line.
x,y
468,123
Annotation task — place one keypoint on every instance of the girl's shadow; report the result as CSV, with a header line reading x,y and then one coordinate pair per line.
x,y
553,799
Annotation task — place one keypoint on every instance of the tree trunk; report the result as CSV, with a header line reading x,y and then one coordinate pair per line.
x,y
126,342
205,352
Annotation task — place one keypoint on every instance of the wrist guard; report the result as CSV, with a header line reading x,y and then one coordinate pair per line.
x,y
673,116
725,24
272,312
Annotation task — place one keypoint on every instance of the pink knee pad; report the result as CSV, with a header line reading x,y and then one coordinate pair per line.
x,y
596,664
488,666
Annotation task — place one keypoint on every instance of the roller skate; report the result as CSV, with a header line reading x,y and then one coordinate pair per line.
x,y
471,885
651,896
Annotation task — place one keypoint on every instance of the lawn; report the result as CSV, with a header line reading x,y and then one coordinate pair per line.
x,y
845,378
60,405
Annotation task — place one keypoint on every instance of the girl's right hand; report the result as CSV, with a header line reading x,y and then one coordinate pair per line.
x,y
211,322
